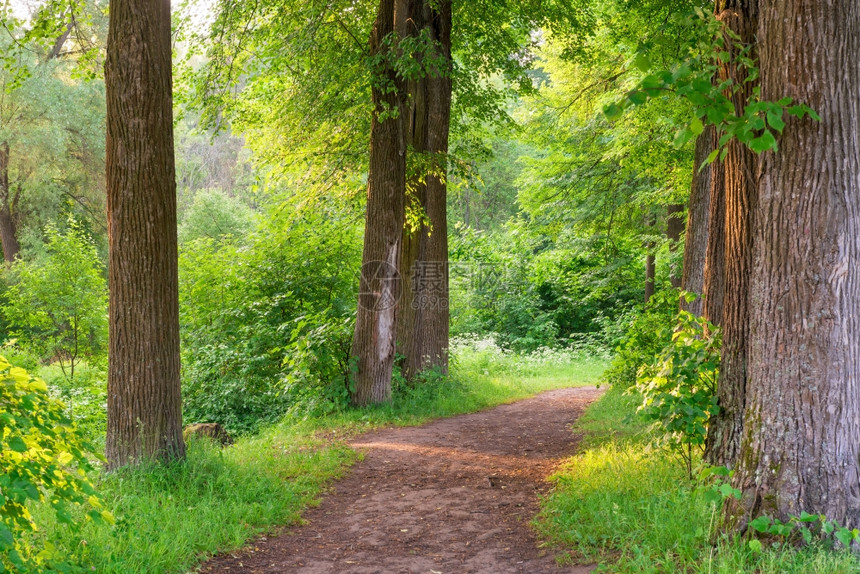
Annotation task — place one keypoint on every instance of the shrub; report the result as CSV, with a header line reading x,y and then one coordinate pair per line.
x,y
57,304
43,457
264,321
679,387
649,332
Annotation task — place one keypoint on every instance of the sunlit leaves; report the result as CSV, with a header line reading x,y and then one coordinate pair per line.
x,y
695,79
42,456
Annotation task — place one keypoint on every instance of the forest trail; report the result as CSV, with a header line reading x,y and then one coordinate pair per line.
x,y
453,496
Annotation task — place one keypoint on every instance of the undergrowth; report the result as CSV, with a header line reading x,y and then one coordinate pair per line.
x,y
169,518
632,509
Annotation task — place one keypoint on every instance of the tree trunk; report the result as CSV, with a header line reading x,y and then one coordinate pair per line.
x,y
740,169
714,286
650,272
411,23
373,343
650,265
674,231
144,402
428,297
800,450
8,228
696,242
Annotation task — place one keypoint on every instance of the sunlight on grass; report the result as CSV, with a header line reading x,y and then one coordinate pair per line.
x,y
632,510
171,518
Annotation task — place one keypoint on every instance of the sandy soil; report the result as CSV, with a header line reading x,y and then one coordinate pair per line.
x,y
450,497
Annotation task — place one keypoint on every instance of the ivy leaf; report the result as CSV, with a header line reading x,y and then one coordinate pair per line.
x,y
846,536
755,546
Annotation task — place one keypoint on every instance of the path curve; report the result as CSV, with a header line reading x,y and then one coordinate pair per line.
x,y
453,496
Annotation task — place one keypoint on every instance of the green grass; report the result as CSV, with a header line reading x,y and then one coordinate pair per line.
x,y
170,518
632,510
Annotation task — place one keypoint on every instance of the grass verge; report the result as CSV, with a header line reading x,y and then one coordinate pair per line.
x,y
170,518
632,510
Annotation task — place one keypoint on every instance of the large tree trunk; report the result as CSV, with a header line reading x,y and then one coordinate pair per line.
x,y
741,167
427,299
696,242
410,22
800,450
373,343
8,231
144,402
674,231
714,286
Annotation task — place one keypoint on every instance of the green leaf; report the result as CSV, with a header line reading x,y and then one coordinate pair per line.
x,y
711,158
763,143
612,111
17,444
845,536
696,126
682,137
642,62
774,120
755,546
637,97
760,524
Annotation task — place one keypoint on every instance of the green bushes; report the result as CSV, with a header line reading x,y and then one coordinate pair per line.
x,y
534,291
633,509
56,305
43,458
648,333
265,317
679,387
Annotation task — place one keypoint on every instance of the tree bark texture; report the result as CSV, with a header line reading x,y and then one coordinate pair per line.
x,y
800,449
650,273
8,203
144,397
373,344
411,23
714,288
740,173
425,341
696,241
674,232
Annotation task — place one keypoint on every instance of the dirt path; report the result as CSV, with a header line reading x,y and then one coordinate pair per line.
x,y
453,496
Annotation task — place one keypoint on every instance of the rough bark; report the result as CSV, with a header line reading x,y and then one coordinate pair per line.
x,y
714,286
800,449
432,351
650,273
740,169
8,201
696,241
411,23
144,402
427,299
674,231
373,344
